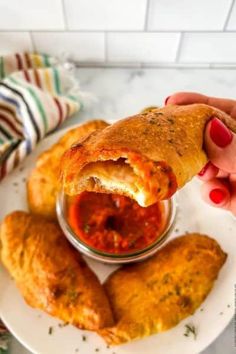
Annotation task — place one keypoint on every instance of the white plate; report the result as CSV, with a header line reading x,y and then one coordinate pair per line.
x,y
31,326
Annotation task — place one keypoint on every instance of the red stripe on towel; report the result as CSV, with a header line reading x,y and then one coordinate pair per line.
x,y
19,61
59,110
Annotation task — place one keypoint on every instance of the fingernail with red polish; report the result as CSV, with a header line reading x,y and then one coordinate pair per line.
x,y
220,134
217,195
166,100
204,169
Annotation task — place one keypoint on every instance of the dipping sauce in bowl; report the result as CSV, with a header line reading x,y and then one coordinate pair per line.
x,y
112,228
114,223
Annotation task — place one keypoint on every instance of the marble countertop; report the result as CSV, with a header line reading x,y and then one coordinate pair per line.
x,y
125,91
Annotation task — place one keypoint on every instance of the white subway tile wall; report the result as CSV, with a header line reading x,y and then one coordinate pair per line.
x,y
11,42
142,47
209,47
123,32
188,15
31,15
80,46
105,14
232,21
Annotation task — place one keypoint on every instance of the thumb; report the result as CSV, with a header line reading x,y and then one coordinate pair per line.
x,y
220,144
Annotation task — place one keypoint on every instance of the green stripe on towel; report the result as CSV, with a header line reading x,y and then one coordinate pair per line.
x,y
40,108
2,74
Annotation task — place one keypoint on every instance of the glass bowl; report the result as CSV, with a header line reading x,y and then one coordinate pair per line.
x,y
105,257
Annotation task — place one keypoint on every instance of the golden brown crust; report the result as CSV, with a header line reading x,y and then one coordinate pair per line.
x,y
43,182
172,135
50,274
155,295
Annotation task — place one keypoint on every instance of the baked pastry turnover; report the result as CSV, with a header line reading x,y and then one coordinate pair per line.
x,y
155,295
43,183
50,274
146,157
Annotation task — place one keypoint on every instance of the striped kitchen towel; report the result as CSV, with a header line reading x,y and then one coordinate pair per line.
x,y
36,95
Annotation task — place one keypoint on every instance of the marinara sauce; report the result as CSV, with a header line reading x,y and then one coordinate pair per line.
x,y
115,224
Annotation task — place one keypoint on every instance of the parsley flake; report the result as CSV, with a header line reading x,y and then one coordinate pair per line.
x,y
190,330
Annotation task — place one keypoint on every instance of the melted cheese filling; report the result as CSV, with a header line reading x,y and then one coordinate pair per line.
x,y
115,176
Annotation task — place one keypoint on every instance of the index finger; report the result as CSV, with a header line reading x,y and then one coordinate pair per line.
x,y
184,98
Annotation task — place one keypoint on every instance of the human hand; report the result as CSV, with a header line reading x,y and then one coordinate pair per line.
x,y
219,174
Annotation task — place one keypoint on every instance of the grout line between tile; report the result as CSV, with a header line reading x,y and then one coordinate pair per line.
x,y
181,37
32,41
111,31
184,66
147,15
64,14
228,15
106,47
